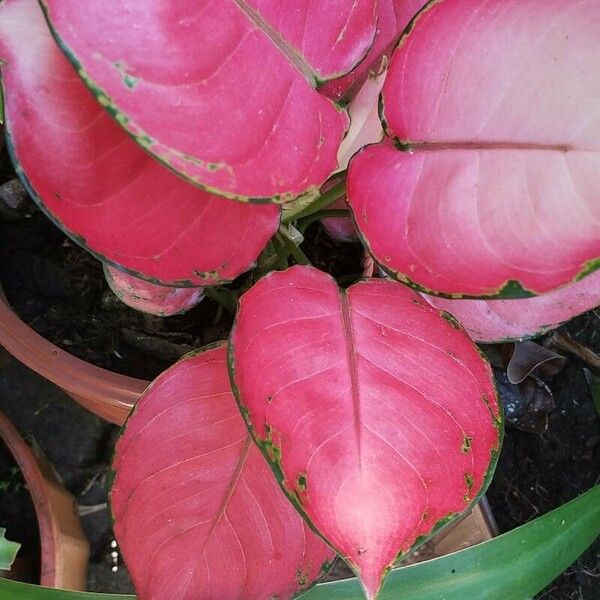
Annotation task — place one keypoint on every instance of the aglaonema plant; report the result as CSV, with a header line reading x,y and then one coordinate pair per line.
x,y
354,422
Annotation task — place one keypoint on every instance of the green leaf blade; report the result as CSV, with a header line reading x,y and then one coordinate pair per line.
x,y
8,551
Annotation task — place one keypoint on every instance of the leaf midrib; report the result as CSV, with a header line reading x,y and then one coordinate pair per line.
x,y
423,146
235,478
287,49
353,369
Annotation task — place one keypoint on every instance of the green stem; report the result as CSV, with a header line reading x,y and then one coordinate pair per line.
x,y
223,297
282,252
318,204
291,247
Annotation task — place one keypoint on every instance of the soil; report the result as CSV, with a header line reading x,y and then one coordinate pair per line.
x,y
538,472
58,289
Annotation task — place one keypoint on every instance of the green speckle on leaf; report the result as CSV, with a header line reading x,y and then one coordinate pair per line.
x,y
144,140
466,445
469,480
514,289
212,275
302,482
497,420
128,80
271,448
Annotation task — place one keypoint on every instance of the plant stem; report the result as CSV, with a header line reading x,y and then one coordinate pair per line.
x,y
291,247
319,203
282,252
224,297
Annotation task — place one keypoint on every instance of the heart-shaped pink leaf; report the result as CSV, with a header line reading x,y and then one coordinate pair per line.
x,y
97,184
223,92
197,511
149,297
392,17
500,192
376,409
492,321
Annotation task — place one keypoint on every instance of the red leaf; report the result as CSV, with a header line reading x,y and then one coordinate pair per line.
x,y
107,193
197,511
498,102
494,321
333,36
219,94
149,297
392,17
380,414
340,228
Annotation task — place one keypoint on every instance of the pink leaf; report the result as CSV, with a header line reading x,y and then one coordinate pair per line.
x,y
499,195
340,228
392,17
333,36
98,185
219,93
377,409
365,128
197,511
494,321
149,297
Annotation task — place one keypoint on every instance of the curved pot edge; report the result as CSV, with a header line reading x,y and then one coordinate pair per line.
x,y
64,547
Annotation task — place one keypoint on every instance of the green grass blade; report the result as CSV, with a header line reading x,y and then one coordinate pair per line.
x,y
513,566
8,551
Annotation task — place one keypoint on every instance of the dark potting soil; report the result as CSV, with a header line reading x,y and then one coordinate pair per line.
x,y
538,472
59,290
